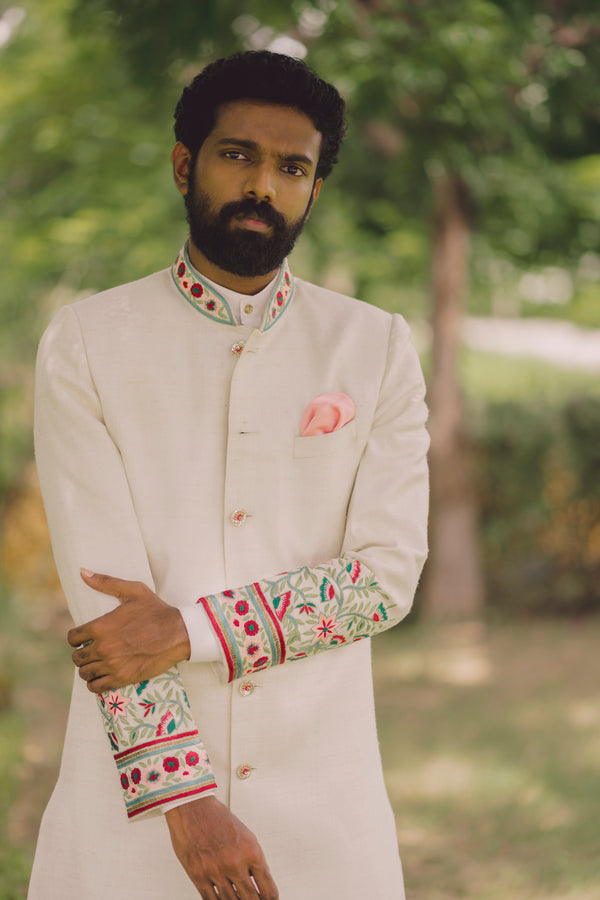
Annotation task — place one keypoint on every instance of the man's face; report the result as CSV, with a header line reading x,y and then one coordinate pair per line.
x,y
253,185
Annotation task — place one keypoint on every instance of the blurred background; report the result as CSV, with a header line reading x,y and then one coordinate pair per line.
x,y
467,199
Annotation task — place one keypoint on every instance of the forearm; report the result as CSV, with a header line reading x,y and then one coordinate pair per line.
x,y
93,523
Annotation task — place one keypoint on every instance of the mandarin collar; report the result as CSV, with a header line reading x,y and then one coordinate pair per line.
x,y
209,302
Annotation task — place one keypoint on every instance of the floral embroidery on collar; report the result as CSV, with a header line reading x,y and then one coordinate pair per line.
x,y
197,292
208,301
280,298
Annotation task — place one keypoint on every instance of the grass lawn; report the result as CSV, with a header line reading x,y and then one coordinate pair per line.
x,y
491,745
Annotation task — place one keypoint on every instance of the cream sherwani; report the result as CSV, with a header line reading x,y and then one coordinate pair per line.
x,y
168,447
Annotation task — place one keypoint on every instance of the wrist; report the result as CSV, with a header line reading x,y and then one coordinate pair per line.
x,y
180,641
197,804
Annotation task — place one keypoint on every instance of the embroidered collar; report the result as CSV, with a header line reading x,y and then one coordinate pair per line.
x,y
208,301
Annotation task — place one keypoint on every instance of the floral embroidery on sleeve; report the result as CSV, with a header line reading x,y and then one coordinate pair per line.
x,y
157,749
298,614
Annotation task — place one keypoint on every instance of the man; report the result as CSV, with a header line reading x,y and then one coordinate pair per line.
x,y
221,430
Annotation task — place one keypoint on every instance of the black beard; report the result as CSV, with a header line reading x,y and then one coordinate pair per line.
x,y
238,250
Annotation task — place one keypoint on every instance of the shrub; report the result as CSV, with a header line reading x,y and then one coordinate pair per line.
x,y
539,495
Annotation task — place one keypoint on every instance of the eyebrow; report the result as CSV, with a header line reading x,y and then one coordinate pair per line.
x,y
252,145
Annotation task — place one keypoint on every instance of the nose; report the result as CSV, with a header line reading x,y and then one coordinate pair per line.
x,y
259,183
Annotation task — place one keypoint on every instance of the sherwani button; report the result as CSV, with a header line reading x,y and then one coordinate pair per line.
x,y
247,688
238,517
244,771
248,308
237,348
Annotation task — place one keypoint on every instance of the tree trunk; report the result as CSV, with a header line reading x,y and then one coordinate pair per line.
x,y
453,586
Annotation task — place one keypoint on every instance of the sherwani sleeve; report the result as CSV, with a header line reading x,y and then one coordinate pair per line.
x,y
93,524
370,586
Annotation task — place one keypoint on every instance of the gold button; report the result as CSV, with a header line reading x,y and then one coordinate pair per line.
x,y
237,348
247,688
248,308
238,517
244,771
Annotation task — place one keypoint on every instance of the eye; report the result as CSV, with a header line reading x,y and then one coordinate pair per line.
x,y
293,169
234,154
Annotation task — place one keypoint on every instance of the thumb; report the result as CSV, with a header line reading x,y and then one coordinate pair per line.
x,y
106,584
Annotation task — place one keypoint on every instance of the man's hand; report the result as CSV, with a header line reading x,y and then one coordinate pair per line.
x,y
221,856
141,638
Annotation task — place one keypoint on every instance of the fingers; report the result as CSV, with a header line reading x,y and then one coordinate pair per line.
x,y
267,889
241,890
93,670
208,893
79,635
226,892
246,890
101,685
82,656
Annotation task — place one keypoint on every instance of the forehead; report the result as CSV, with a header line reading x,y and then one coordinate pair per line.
x,y
276,128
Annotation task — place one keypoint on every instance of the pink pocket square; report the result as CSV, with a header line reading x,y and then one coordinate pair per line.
x,y
327,413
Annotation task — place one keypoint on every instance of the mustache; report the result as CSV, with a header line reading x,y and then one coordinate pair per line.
x,y
258,209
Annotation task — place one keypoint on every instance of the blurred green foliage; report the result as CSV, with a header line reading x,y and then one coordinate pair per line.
x,y
502,94
540,505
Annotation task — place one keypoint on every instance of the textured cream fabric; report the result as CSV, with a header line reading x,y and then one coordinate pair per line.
x,y
166,435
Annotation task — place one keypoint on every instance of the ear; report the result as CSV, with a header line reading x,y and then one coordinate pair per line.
x,y
315,193
181,158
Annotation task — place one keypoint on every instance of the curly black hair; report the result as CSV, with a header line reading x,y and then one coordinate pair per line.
x,y
261,75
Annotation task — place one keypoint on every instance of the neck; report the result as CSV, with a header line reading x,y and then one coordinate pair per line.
x,y
242,284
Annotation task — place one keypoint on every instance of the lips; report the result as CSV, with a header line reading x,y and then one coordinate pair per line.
x,y
253,223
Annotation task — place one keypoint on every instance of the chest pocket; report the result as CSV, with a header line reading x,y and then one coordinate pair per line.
x,y
319,445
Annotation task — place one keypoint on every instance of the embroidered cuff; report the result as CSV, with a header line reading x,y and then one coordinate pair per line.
x,y
298,614
157,749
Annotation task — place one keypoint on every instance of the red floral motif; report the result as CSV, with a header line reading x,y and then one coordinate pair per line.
x,y
171,764
381,614
228,594
185,283
306,608
136,776
152,775
210,304
258,663
251,627
192,758
252,648
117,704
281,604
353,570
166,724
236,623
124,781
326,630
327,590
279,299
147,706
242,607
197,290
181,270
